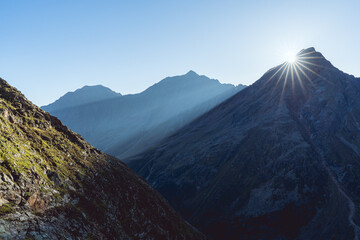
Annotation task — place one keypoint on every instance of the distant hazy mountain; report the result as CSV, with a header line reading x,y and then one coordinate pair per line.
x,y
127,125
84,95
279,160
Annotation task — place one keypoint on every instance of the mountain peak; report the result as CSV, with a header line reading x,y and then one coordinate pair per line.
x,y
84,95
98,87
307,50
187,82
312,57
191,73
309,67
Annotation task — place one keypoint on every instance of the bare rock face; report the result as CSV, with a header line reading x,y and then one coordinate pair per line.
x,y
54,185
279,160
38,202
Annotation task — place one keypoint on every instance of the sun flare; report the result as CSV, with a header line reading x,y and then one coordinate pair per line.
x,y
298,68
291,58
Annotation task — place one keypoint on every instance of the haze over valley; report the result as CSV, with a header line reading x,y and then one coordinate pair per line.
x,y
127,125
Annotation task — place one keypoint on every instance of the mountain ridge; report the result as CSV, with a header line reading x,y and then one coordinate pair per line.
x,y
84,95
115,124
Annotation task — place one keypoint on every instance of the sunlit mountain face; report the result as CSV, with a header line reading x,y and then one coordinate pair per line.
x,y
279,160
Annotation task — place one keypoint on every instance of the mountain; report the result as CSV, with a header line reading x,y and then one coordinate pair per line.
x,y
279,160
84,95
54,185
130,124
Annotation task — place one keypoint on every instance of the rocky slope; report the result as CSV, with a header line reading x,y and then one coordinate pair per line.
x,y
54,185
279,160
130,124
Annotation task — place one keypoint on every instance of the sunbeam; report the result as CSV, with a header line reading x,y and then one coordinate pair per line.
x,y
297,73
298,66
298,70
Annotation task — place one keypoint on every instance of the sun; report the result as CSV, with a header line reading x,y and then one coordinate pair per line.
x,y
291,57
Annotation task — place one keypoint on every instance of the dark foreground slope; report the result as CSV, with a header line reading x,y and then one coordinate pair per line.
x,y
54,185
127,125
279,160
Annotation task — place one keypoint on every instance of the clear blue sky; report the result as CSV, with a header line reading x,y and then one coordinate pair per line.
x,y
49,47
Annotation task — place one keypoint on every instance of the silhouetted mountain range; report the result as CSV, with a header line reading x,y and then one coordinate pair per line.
x,y
279,160
54,185
127,125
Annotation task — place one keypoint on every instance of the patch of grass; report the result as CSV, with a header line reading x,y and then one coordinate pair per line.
x,y
6,209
